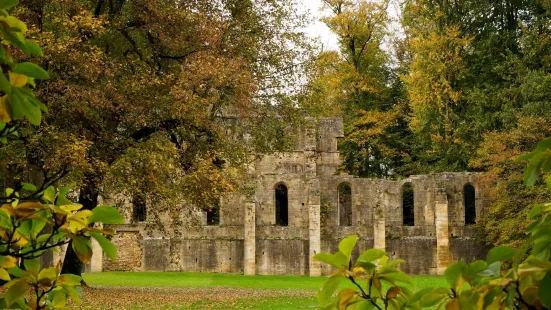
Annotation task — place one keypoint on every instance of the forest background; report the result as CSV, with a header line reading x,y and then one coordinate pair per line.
x,y
169,100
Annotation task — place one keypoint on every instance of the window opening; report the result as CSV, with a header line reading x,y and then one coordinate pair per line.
x,y
213,215
281,205
345,204
470,204
139,210
408,200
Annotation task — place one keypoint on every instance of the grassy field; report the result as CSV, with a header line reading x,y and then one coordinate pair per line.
x,y
179,290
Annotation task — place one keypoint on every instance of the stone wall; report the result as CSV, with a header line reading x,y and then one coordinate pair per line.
x,y
248,239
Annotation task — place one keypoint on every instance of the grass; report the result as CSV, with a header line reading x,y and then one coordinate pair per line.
x,y
184,290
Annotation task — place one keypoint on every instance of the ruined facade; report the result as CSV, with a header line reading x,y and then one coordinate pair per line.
x,y
301,206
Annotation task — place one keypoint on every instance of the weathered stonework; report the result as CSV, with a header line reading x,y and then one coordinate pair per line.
x,y
249,240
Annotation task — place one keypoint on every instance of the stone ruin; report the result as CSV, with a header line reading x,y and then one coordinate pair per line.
x,y
302,206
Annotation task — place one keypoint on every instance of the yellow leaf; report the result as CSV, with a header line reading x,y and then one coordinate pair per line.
x,y
9,262
17,80
346,296
79,220
5,109
4,275
8,209
453,304
20,240
71,208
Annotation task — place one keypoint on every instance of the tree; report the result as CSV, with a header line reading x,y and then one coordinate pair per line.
x,y
34,219
364,88
166,99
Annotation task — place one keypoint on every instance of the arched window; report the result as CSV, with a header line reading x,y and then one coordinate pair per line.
x,y
281,205
470,204
408,210
213,215
139,210
345,204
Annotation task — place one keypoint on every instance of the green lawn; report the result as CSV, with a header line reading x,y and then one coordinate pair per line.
x,y
183,290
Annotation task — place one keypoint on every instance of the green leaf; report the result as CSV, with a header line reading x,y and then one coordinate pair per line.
x,y
500,253
470,272
16,291
34,49
347,244
329,287
30,187
544,290
106,215
538,209
418,295
48,273
532,170
434,297
73,293
69,279
22,107
6,4
38,225
83,248
337,260
396,276
370,256
60,299
453,274
5,220
49,194
17,272
492,270
31,69
105,244
5,84
32,264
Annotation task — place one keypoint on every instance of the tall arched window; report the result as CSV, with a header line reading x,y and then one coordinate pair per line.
x,y
281,205
213,215
345,204
139,210
408,210
470,204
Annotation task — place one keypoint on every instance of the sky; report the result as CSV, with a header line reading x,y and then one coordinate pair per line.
x,y
318,28
328,39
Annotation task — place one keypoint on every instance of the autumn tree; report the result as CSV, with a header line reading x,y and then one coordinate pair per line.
x,y
167,99
358,82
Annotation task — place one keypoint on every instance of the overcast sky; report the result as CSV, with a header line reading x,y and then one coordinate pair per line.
x,y
317,28
329,39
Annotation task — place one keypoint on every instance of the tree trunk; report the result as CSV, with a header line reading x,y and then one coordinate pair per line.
x,y
88,198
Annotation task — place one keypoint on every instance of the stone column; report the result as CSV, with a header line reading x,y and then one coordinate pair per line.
x,y
249,262
314,227
442,232
379,222
96,263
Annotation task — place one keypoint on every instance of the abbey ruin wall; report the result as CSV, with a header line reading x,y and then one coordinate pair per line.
x,y
302,206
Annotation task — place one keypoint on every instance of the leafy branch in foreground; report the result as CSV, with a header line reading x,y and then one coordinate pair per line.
x,y
478,285
36,219
28,229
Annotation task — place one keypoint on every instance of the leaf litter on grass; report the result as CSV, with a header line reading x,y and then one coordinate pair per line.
x,y
98,297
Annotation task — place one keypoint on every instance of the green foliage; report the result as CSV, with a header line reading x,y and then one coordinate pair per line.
x,y
36,219
478,285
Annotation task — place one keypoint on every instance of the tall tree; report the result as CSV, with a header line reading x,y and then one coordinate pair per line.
x,y
362,85
166,98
